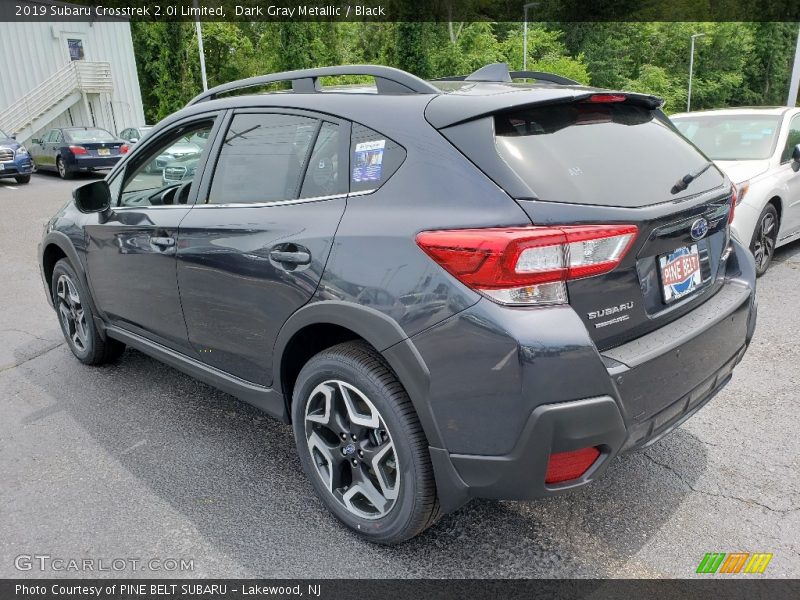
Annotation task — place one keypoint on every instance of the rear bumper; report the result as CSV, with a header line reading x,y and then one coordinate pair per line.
x,y
642,390
92,163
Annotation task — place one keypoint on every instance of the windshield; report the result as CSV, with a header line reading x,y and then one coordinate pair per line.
x,y
600,154
89,135
732,137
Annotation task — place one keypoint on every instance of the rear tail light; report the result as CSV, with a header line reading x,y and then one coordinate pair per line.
x,y
78,150
734,202
605,98
566,466
527,265
124,149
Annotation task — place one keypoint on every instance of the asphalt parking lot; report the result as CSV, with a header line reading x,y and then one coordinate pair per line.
x,y
136,460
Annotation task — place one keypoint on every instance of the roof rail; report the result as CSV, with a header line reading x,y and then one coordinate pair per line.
x,y
499,73
388,80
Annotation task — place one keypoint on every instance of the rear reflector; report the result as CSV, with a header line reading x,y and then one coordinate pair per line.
x,y
527,265
566,466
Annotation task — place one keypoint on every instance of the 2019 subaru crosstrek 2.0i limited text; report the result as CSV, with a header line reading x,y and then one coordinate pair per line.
x,y
462,289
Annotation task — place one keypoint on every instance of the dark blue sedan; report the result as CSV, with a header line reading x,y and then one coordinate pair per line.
x,y
69,150
14,159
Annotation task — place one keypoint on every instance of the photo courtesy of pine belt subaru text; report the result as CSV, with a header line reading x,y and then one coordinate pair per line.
x,y
465,288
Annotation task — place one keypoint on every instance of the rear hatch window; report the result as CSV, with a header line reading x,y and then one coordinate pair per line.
x,y
606,154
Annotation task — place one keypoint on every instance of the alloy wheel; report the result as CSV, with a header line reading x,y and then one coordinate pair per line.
x,y
62,171
764,242
351,449
72,313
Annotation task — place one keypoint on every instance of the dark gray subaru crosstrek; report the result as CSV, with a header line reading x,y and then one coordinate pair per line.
x,y
452,290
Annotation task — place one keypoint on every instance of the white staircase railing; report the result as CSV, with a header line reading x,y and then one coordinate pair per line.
x,y
79,75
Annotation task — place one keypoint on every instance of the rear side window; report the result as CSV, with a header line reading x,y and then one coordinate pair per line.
x,y
602,154
323,174
262,158
374,158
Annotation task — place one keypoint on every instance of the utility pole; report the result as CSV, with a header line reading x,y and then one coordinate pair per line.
x,y
792,99
525,34
200,47
691,70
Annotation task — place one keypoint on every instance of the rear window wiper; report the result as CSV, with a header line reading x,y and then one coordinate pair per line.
x,y
684,181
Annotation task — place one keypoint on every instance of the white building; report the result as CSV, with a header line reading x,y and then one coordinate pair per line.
x,y
57,74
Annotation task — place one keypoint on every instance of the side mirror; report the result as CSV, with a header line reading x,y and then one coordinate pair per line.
x,y
796,153
133,140
36,140
93,197
13,136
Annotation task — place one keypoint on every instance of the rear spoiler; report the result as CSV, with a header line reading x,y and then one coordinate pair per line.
x,y
450,109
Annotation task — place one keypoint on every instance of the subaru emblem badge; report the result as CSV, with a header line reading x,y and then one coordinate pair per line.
x,y
699,229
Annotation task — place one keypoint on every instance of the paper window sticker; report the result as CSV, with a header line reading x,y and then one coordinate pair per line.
x,y
368,161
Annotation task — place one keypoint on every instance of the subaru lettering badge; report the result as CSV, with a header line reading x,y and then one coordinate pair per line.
x,y
699,229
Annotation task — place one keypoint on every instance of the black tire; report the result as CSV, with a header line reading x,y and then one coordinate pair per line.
x,y
77,321
62,169
23,179
765,239
414,505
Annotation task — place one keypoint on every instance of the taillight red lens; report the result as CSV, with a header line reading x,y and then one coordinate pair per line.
x,y
124,149
527,265
604,98
78,150
734,196
566,466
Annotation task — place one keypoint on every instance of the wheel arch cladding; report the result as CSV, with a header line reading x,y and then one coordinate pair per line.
x,y
320,325
51,254
56,246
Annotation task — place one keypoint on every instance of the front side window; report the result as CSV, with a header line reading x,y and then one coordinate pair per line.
x,y
792,139
157,177
262,158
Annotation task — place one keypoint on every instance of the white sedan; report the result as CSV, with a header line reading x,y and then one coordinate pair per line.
x,y
759,149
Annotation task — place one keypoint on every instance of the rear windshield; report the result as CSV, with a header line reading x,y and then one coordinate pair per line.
x,y
732,137
603,154
89,135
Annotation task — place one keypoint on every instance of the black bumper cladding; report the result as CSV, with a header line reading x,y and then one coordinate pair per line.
x,y
659,380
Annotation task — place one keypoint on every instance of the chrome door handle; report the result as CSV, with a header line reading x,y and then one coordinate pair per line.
x,y
164,242
291,258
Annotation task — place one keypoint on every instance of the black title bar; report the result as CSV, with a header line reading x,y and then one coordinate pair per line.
x,y
339,589
400,10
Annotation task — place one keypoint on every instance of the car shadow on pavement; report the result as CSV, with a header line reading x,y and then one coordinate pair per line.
x,y
233,472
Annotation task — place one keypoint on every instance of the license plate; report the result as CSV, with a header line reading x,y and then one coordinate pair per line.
x,y
680,272
104,152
